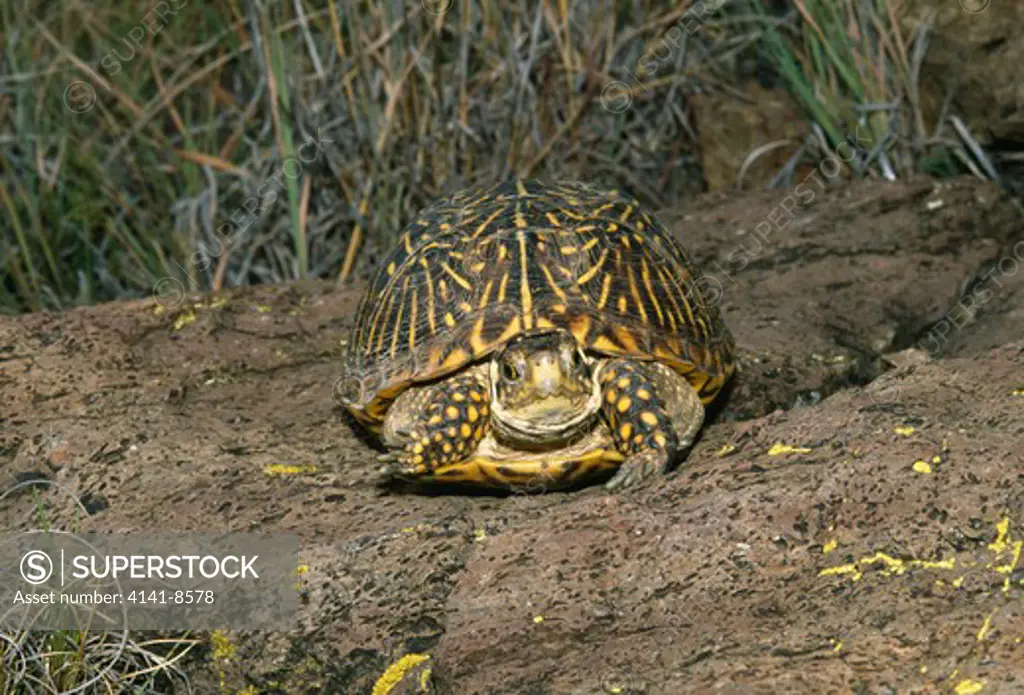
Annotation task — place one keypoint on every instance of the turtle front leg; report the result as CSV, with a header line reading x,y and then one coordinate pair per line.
x,y
432,426
654,415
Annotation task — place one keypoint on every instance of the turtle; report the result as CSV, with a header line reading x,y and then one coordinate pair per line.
x,y
530,334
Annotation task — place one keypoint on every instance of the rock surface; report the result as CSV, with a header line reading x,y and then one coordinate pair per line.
x,y
851,520
974,50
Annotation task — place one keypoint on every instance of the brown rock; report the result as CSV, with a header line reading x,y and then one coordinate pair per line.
x,y
975,50
730,129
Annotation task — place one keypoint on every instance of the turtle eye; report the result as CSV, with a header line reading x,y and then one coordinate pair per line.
x,y
509,372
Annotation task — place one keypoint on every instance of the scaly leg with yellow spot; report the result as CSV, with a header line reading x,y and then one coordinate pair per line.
x,y
654,415
436,425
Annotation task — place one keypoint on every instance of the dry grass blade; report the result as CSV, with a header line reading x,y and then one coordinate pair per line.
x,y
215,162
975,149
357,234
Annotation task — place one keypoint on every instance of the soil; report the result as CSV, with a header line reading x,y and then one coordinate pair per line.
x,y
849,522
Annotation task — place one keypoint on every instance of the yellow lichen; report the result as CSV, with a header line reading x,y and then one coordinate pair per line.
x,y
1001,543
829,547
263,308
892,566
538,619
396,672
985,626
286,469
725,450
842,569
183,320
778,448
223,648
905,430
969,687
1004,543
922,466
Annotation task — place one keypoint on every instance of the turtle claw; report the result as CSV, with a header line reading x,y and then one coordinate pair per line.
x,y
636,468
394,472
390,464
397,464
390,471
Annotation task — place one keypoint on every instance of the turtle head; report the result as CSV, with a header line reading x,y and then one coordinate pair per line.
x,y
542,389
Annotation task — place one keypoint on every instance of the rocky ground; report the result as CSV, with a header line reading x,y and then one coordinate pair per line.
x,y
851,520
